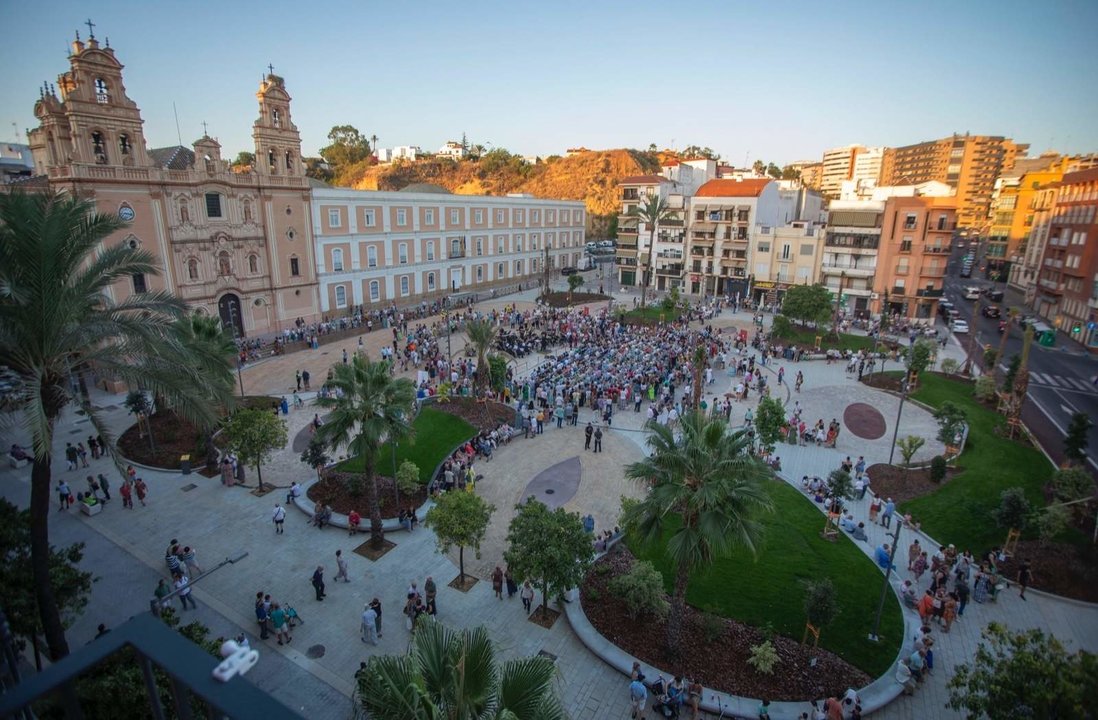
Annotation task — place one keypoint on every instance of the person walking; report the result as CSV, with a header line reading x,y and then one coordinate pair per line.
x,y
127,495
497,582
341,564
64,495
376,605
183,585
162,591
527,595
886,513
188,559
598,440
588,432
509,581
318,582
638,695
368,627
261,616
71,456
279,517
141,489
1024,577
297,377
105,486
430,590
281,626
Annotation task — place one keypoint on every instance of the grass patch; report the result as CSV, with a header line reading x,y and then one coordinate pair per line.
x,y
806,337
960,512
436,434
768,589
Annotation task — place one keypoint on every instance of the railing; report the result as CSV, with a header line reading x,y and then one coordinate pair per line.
x,y
933,271
456,254
930,293
155,646
674,270
937,250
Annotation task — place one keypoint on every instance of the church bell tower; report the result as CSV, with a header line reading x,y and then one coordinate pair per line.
x,y
277,141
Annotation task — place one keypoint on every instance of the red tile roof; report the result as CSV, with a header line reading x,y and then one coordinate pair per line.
x,y
1081,176
670,163
733,188
642,180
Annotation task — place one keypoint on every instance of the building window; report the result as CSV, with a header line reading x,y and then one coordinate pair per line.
x,y
764,247
333,218
99,148
402,217
289,160
337,260
402,253
518,243
430,282
102,92
253,264
480,247
480,273
910,221
271,161
518,267
534,242
535,216
371,256
375,291
551,216
499,216
139,283
124,144
428,217
295,268
213,205
785,251
454,215
368,218
341,296
430,250
192,269
457,247
403,285
478,216
501,271
224,264
808,249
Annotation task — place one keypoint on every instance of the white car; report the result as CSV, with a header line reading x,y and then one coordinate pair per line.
x,y
972,293
960,326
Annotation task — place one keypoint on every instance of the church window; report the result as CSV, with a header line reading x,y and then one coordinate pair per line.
x,y
295,267
213,205
276,118
375,291
289,160
253,264
102,95
124,144
271,160
430,282
341,295
139,285
224,264
192,269
99,148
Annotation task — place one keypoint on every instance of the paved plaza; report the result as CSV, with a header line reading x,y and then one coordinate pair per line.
x,y
313,675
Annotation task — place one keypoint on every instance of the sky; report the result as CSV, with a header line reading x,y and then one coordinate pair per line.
x,y
777,81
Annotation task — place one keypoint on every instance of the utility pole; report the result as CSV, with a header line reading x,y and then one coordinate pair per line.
x,y
884,588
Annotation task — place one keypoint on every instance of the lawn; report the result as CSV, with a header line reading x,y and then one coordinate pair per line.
x,y
767,589
806,337
960,512
437,433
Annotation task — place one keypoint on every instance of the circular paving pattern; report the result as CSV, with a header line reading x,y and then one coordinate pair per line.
x,y
864,421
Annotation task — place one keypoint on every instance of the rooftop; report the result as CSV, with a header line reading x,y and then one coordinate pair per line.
x,y
733,188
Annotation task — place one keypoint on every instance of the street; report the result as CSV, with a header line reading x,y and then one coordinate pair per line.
x,y
1061,378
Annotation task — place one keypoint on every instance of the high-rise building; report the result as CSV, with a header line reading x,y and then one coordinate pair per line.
x,y
969,163
851,163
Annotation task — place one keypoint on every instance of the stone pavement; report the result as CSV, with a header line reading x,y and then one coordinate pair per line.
x,y
314,673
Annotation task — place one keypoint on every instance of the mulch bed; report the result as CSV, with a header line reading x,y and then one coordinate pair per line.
x,y
368,551
901,485
560,299
722,663
335,490
1060,568
481,415
173,436
543,616
466,586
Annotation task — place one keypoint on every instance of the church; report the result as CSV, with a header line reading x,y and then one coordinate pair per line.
x,y
236,245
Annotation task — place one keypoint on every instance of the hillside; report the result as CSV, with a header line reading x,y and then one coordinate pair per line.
x,y
590,176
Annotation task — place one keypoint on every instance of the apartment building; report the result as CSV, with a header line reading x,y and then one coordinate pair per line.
x,y
1012,213
1067,286
400,152
916,236
425,243
812,175
635,237
854,164
969,163
784,256
1023,274
849,258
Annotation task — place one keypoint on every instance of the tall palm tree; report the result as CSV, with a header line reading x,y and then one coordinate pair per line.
x,y
652,210
453,675
482,336
368,407
707,478
212,351
59,321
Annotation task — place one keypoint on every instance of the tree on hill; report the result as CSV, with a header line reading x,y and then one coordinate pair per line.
x,y
759,167
318,169
807,304
774,171
347,146
695,151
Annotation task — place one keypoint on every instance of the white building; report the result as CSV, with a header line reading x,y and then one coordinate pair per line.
x,y
634,235
400,152
855,163
453,150
424,243
16,161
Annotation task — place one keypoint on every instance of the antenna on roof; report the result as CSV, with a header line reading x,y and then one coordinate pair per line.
x,y
178,135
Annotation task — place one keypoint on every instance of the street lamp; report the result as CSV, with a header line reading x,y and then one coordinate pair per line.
x,y
972,337
899,412
888,572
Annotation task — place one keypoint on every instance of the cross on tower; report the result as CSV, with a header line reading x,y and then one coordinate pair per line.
x,y
91,29
271,68
204,131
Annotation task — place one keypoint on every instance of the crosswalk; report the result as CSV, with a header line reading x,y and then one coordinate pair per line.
x,y
1060,381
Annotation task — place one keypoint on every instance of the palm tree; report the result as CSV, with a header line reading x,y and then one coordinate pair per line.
x,y
453,675
212,351
368,406
652,210
708,479
482,336
58,321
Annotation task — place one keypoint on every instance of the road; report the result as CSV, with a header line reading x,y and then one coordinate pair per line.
x,y
1061,380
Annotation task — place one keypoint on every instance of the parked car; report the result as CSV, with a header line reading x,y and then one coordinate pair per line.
x,y
966,271
568,270
606,244
972,293
991,311
994,295
960,327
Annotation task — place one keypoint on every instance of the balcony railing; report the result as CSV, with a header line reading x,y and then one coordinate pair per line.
x,y
625,262
937,250
930,293
850,270
933,271
672,270
155,646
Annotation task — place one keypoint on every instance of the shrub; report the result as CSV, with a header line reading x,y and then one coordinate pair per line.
x,y
840,484
1072,484
821,602
1052,521
764,657
950,366
951,420
985,388
594,595
781,327
407,477
642,590
937,469
712,626
1013,510
602,568
990,354
1011,372
356,485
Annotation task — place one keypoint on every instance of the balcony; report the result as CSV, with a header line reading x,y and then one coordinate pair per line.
x,y
670,270
937,250
898,291
631,246
704,237
930,293
630,194
1092,303
453,254
734,261
625,262
933,271
671,223
905,247
627,229
850,271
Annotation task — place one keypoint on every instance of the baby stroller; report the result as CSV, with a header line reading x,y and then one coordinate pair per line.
x,y
292,618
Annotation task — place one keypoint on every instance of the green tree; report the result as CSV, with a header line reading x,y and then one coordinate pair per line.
x,y
709,481
369,406
780,327
407,477
453,675
574,281
318,169
497,365
59,274
840,484
641,589
769,422
1024,674
774,171
549,548
984,388
254,434
244,159
909,445
791,173
1014,509
482,334
808,304
316,455
918,357
759,167
346,147
951,421
140,406
1071,484
1011,372
1075,441
651,210
210,349
71,586
821,602
938,469
459,518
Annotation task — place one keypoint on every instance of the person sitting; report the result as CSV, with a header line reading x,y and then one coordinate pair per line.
x,y
89,499
353,521
17,455
908,594
404,520
847,523
322,516
294,493
858,533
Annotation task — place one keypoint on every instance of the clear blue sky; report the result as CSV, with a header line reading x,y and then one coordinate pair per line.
x,y
781,81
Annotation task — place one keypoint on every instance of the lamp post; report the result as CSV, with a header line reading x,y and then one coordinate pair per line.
x,y
239,360
899,412
884,587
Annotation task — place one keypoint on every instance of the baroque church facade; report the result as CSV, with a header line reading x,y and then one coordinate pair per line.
x,y
236,245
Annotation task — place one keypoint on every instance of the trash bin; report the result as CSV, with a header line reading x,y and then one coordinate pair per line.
x,y
185,464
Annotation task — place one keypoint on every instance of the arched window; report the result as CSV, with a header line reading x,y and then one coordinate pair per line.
x,y
247,211
276,118
341,296
99,148
224,263
430,282
289,160
337,260
271,160
102,91
253,264
192,269
124,144
375,291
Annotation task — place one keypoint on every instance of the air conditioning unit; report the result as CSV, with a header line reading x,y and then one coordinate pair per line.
x,y
872,296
